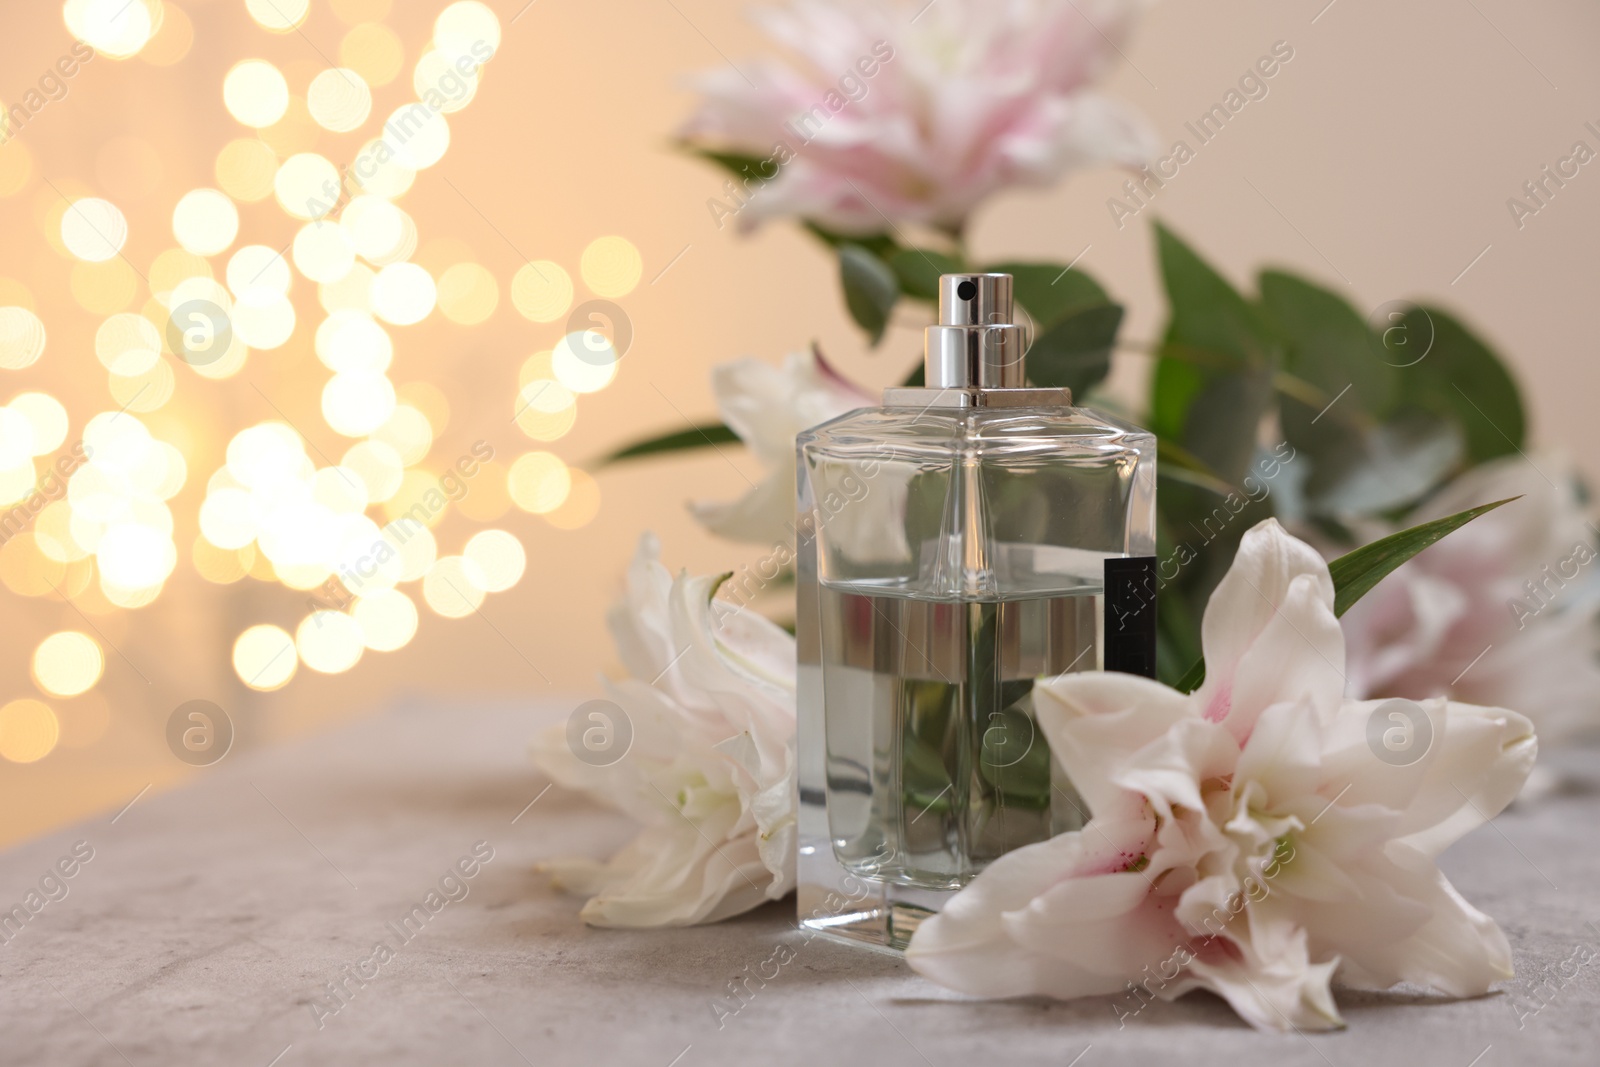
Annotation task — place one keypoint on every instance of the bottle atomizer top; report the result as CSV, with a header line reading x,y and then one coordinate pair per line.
x,y
976,355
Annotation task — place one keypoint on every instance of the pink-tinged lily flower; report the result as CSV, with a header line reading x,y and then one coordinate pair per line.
x,y
909,112
768,407
710,771
1251,838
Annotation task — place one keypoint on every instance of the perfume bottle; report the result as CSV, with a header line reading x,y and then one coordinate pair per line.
x,y
955,545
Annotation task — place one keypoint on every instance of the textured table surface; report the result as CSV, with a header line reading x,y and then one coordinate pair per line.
x,y
209,921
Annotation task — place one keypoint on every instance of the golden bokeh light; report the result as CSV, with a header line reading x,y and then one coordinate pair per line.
x,y
374,51
329,642
259,276
403,294
468,294
353,292
538,482
255,93
584,361
351,342
127,344
415,498
541,291
46,419
114,28
581,505
437,79
68,663
102,288
500,558
220,566
172,268
245,169
377,466
16,442
377,228
387,619
465,29
28,731
205,222
611,267
93,229
545,409
279,16
307,185
377,169
454,587
264,326
172,40
428,139
408,432
339,100
323,251
355,403
21,338
264,657
428,400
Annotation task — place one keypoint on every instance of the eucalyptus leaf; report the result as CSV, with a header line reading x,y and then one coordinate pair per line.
x,y
706,436
1209,315
881,245
918,271
1050,291
870,289
1387,467
1075,353
1356,573
1461,376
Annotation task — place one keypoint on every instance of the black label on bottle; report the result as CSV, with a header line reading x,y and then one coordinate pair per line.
x,y
1130,610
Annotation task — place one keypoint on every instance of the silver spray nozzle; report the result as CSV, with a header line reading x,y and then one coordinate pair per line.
x,y
977,344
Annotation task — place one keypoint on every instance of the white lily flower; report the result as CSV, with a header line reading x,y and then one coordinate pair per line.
x,y
1249,838
768,407
711,770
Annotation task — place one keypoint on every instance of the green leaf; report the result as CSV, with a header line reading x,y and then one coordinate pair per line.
x,y
870,289
1387,467
1075,353
917,378
1207,312
709,435
736,163
1049,291
1214,413
881,245
1329,345
1355,573
1460,376
918,271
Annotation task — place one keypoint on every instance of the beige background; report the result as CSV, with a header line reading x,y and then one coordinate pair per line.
x,y
1380,162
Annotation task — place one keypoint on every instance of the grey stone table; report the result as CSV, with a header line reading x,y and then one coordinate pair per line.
x,y
209,921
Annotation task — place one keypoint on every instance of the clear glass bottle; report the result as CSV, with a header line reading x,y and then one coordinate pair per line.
x,y
958,543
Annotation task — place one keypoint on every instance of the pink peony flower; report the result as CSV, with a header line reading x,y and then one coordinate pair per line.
x,y
1503,611
915,112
